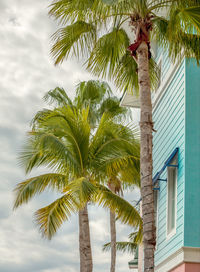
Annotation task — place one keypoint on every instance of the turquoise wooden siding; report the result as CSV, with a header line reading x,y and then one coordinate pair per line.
x,y
192,157
169,121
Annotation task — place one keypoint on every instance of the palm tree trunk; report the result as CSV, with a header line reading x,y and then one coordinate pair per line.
x,y
84,242
146,126
113,241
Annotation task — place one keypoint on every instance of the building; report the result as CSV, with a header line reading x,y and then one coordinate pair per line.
x,y
176,165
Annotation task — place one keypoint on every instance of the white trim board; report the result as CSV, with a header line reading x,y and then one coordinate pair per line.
x,y
130,100
166,82
182,255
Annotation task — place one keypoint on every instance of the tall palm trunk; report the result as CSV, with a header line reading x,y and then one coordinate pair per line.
x,y
84,242
113,241
112,231
146,126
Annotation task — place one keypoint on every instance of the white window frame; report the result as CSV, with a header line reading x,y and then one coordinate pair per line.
x,y
157,210
173,231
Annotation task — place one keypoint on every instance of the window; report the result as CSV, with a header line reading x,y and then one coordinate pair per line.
x,y
156,214
171,197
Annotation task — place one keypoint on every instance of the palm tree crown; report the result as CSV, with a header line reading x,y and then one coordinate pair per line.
x,y
62,140
98,31
94,94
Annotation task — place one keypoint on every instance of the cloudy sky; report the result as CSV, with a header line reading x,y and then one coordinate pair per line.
x,y
26,73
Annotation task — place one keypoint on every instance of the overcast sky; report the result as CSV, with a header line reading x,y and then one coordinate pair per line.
x,y
26,73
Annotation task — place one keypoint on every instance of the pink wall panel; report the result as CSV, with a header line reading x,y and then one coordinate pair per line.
x,y
192,267
187,267
180,268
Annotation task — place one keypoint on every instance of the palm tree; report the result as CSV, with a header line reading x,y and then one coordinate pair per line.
x,y
97,95
129,246
115,185
61,139
96,30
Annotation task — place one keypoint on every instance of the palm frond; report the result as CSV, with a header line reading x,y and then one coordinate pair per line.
x,y
136,237
39,117
112,105
114,152
72,128
128,247
125,212
187,45
83,189
91,10
125,75
58,96
114,165
66,10
91,93
76,39
51,217
159,5
110,2
186,15
192,14
48,150
131,175
77,134
27,189
176,36
107,52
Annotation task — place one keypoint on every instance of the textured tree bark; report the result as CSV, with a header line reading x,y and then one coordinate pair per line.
x,y
113,241
146,126
86,264
141,250
112,187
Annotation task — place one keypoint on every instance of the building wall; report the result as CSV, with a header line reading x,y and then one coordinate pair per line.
x,y
169,121
187,267
192,157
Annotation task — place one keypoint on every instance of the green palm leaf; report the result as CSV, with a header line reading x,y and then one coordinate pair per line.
x,y
91,93
107,52
128,247
188,44
76,38
67,10
126,74
110,2
126,213
51,217
112,106
71,129
48,150
83,189
27,189
58,96
192,14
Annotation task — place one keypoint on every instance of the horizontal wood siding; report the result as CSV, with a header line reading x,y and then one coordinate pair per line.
x,y
169,122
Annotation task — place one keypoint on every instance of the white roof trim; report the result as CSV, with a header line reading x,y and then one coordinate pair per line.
x,y
130,100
